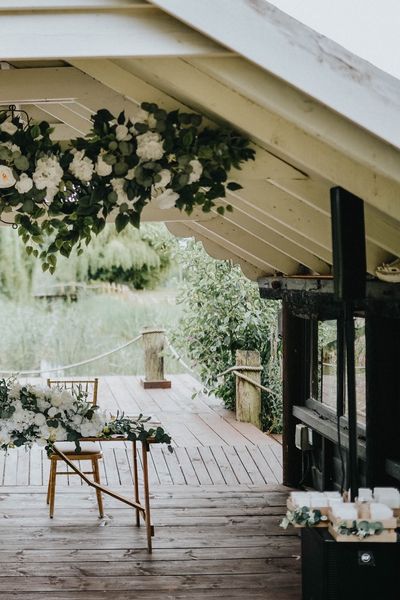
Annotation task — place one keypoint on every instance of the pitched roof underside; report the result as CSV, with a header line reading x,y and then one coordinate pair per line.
x,y
116,54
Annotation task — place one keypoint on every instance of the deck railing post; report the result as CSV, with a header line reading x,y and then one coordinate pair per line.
x,y
248,396
153,344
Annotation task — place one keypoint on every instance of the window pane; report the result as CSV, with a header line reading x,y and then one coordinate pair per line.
x,y
327,365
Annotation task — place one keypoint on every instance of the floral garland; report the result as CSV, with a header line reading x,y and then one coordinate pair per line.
x,y
65,195
30,414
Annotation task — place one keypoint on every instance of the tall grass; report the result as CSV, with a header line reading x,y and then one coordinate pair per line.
x,y
60,333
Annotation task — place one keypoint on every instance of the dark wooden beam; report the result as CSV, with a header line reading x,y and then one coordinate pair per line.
x,y
296,387
382,395
310,296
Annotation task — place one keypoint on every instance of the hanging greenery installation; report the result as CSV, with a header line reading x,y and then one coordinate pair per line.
x,y
61,197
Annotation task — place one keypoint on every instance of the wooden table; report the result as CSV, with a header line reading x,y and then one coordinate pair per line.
x,y
142,511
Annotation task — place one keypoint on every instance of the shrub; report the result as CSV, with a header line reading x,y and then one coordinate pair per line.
x,y
222,313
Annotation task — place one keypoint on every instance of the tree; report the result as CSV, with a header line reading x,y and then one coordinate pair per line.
x,y
140,258
16,266
222,313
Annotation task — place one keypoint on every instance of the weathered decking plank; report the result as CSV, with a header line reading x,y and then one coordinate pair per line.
x,y
211,447
210,542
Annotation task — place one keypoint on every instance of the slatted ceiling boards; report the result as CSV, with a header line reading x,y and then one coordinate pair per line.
x,y
305,143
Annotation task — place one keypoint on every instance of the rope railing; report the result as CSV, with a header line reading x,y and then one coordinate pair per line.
x,y
235,370
73,365
177,356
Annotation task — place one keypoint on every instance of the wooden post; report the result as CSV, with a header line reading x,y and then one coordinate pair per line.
x,y
153,344
382,395
296,335
248,396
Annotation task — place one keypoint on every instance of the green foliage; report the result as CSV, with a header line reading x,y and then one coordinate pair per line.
x,y
303,516
361,529
222,313
122,165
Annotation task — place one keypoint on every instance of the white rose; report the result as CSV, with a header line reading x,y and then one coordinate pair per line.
x,y
56,400
42,404
47,175
166,200
141,116
24,184
150,146
39,419
165,179
81,166
8,127
122,133
7,178
197,170
102,168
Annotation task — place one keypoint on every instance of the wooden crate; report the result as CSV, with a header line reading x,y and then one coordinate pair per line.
x,y
388,535
324,511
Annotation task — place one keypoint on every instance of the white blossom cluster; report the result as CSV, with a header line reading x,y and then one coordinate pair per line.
x,y
45,415
48,174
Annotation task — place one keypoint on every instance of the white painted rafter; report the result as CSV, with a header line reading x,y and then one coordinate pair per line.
x,y
219,252
92,30
264,126
293,52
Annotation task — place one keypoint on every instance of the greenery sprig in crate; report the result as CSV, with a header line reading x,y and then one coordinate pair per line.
x,y
304,516
357,530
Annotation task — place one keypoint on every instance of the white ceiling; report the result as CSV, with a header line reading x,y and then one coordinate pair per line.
x,y
81,56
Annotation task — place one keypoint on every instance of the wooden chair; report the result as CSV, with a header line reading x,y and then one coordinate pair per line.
x,y
90,451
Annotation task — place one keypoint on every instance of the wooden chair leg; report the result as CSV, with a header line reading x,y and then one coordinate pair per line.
x,y
96,477
53,476
48,488
136,480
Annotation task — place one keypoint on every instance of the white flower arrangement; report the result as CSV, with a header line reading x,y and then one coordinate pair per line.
x,y
66,195
31,414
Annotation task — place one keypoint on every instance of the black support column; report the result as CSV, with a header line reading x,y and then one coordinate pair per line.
x,y
296,335
382,395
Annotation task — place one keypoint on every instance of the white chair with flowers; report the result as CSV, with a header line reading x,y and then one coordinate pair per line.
x,y
90,451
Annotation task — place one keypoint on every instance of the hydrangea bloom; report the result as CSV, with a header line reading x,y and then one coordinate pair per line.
x,y
150,146
48,175
81,166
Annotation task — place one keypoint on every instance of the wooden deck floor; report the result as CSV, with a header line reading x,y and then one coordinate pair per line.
x,y
210,542
211,447
216,505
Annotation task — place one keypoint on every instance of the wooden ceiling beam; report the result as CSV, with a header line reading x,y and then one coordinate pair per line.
x,y
85,31
308,61
218,252
246,245
279,135
248,220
